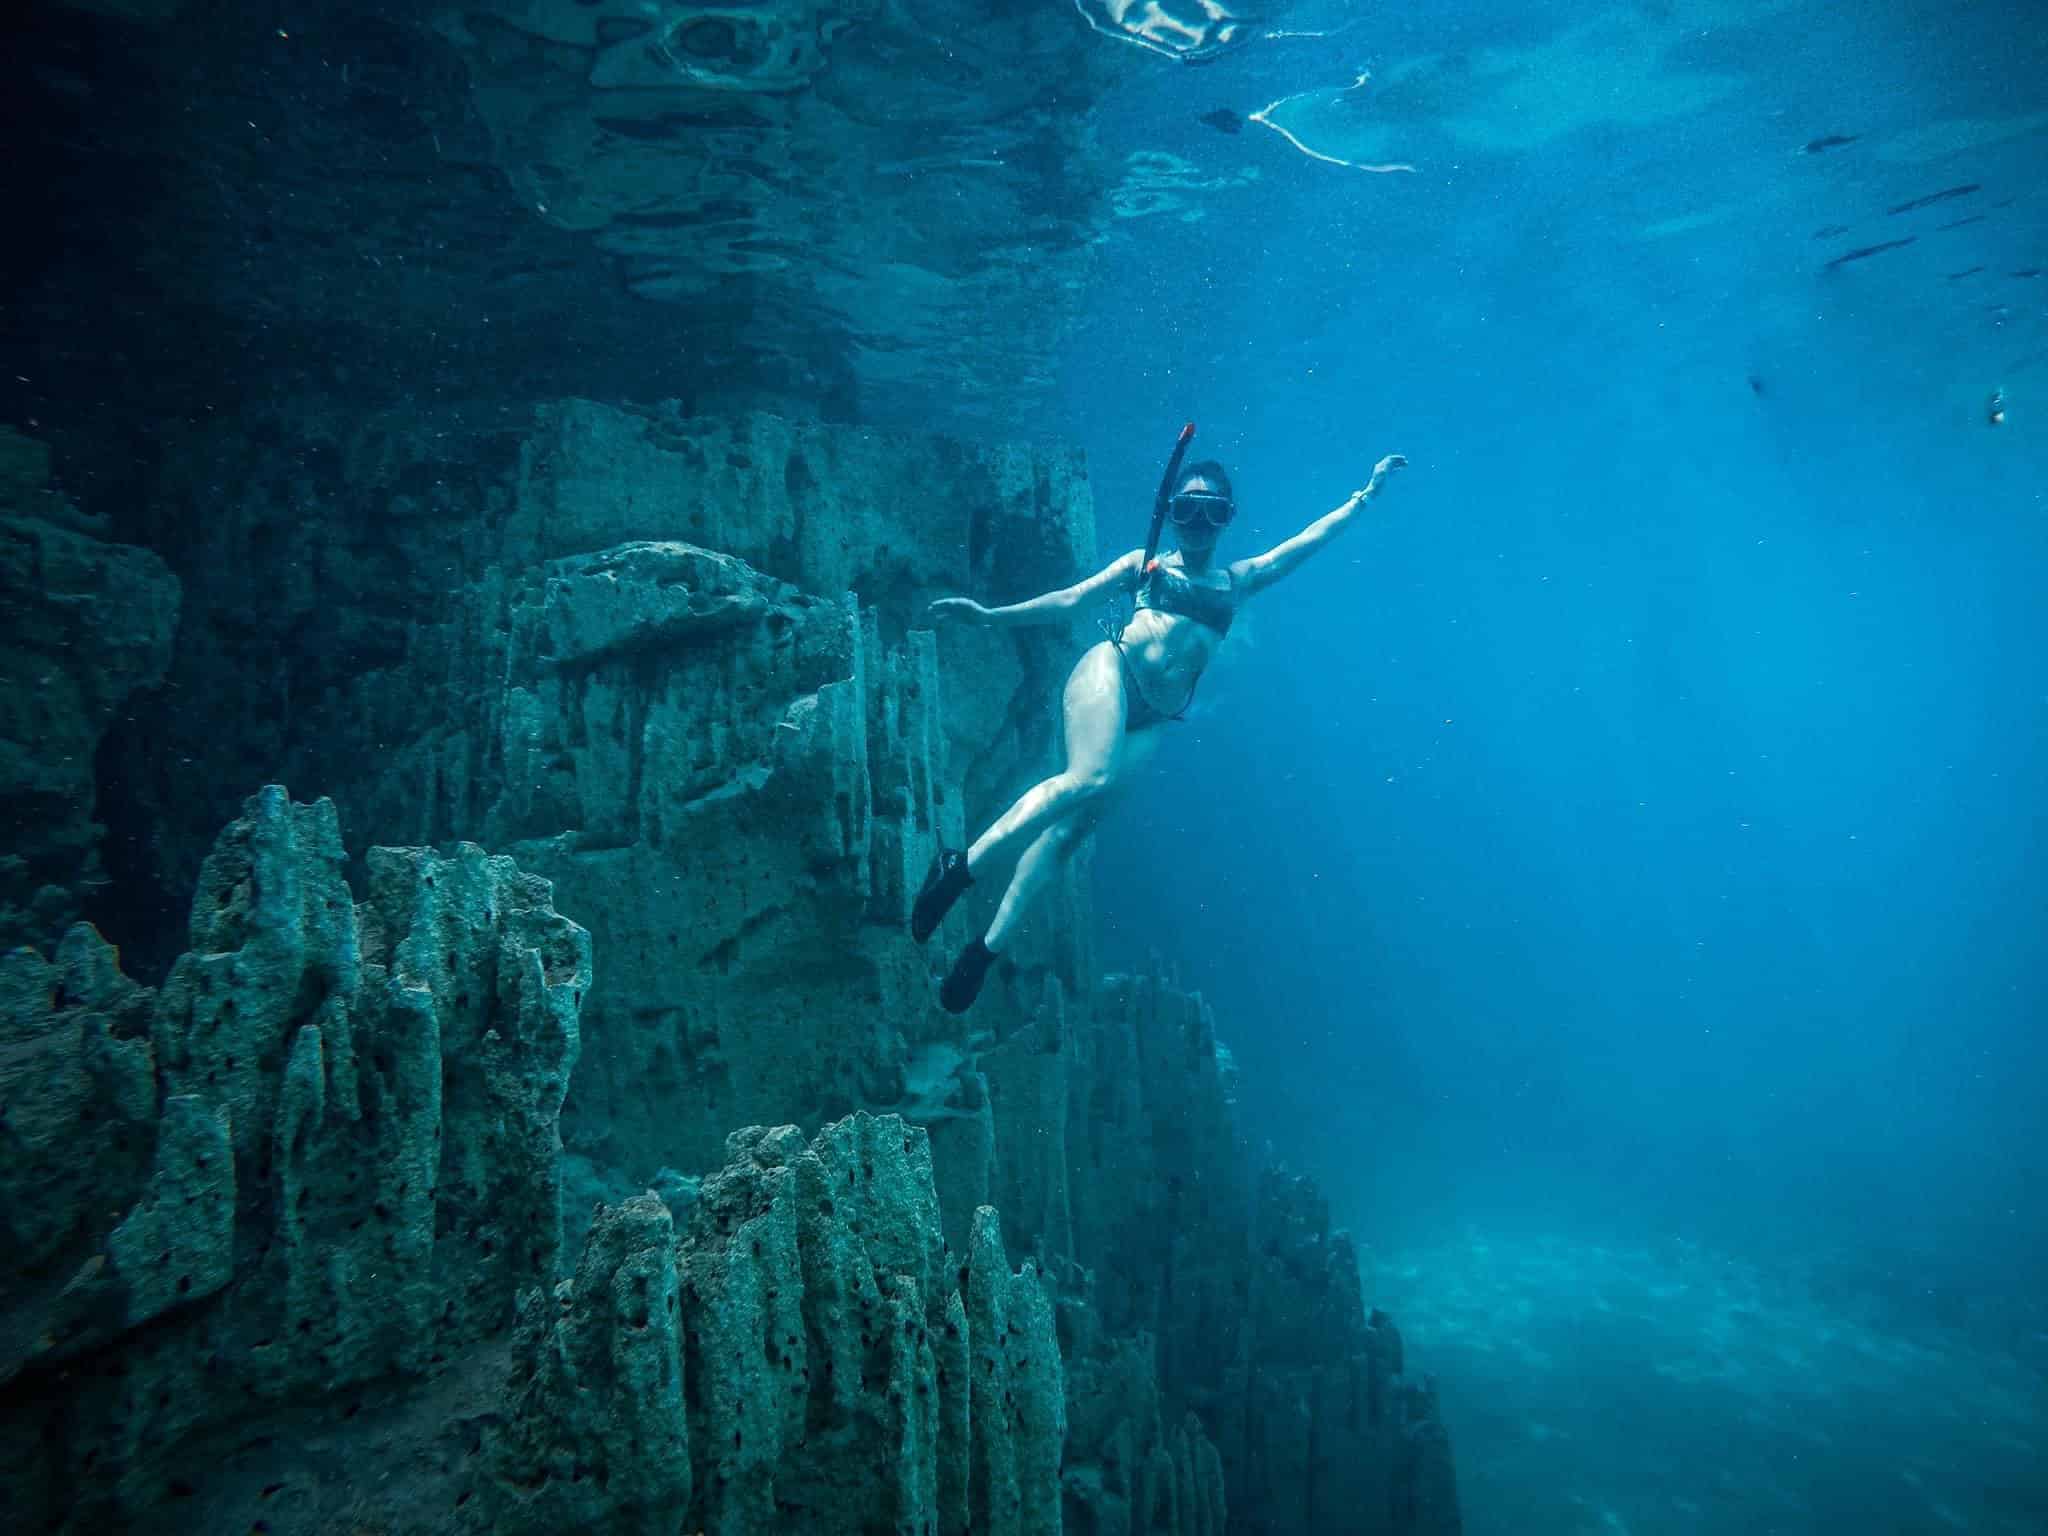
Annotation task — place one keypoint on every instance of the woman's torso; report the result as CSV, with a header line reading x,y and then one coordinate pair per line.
x,y
1176,629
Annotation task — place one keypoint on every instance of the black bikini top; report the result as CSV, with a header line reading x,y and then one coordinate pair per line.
x,y
1167,589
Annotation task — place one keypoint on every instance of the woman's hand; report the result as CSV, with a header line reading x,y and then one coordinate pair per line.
x,y
1381,473
956,610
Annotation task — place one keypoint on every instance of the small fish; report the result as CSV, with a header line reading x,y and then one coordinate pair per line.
x,y
1994,410
2028,272
1223,120
1829,231
1757,386
1937,197
1956,277
1868,250
1827,142
1975,218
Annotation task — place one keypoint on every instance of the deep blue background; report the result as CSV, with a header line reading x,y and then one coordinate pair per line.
x,y
1638,824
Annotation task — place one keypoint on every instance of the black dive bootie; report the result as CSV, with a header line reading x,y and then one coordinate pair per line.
x,y
963,983
942,887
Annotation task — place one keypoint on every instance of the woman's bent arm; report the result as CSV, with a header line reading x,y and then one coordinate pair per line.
x,y
1050,608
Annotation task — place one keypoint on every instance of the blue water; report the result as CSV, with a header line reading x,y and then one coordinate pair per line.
x,y
1620,866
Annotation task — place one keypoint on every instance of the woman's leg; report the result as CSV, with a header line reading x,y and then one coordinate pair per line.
x,y
1093,712
1060,842
1064,815
1052,848
1092,709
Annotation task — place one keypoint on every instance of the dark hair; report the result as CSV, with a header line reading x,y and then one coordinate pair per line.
x,y
1211,471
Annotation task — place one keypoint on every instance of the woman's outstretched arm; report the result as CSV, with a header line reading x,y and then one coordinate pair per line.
x,y
1049,609
1261,571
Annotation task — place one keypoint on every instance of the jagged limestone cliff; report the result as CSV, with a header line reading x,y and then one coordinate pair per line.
x,y
324,1154
672,667
808,1355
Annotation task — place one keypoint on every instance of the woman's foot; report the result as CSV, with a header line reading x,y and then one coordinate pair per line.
x,y
942,887
963,983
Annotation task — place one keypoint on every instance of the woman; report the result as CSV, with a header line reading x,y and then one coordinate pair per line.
x,y
1117,693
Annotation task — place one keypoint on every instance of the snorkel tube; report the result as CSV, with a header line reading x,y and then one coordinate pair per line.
x,y
1159,504
1114,627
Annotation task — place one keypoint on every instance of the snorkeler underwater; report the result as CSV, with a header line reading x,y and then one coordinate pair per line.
x,y
1182,608
658,878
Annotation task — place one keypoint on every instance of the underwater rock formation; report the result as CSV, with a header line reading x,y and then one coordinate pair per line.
x,y
1323,1427
809,1356
86,624
675,667
325,1153
620,647
1130,1468
741,799
1212,1323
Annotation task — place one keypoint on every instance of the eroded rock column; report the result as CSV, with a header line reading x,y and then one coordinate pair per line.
x,y
808,1355
324,1155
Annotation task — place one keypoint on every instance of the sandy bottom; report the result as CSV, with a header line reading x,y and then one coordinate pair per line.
x,y
1669,1391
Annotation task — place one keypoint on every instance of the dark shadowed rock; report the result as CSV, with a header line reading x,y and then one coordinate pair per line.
x,y
84,624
